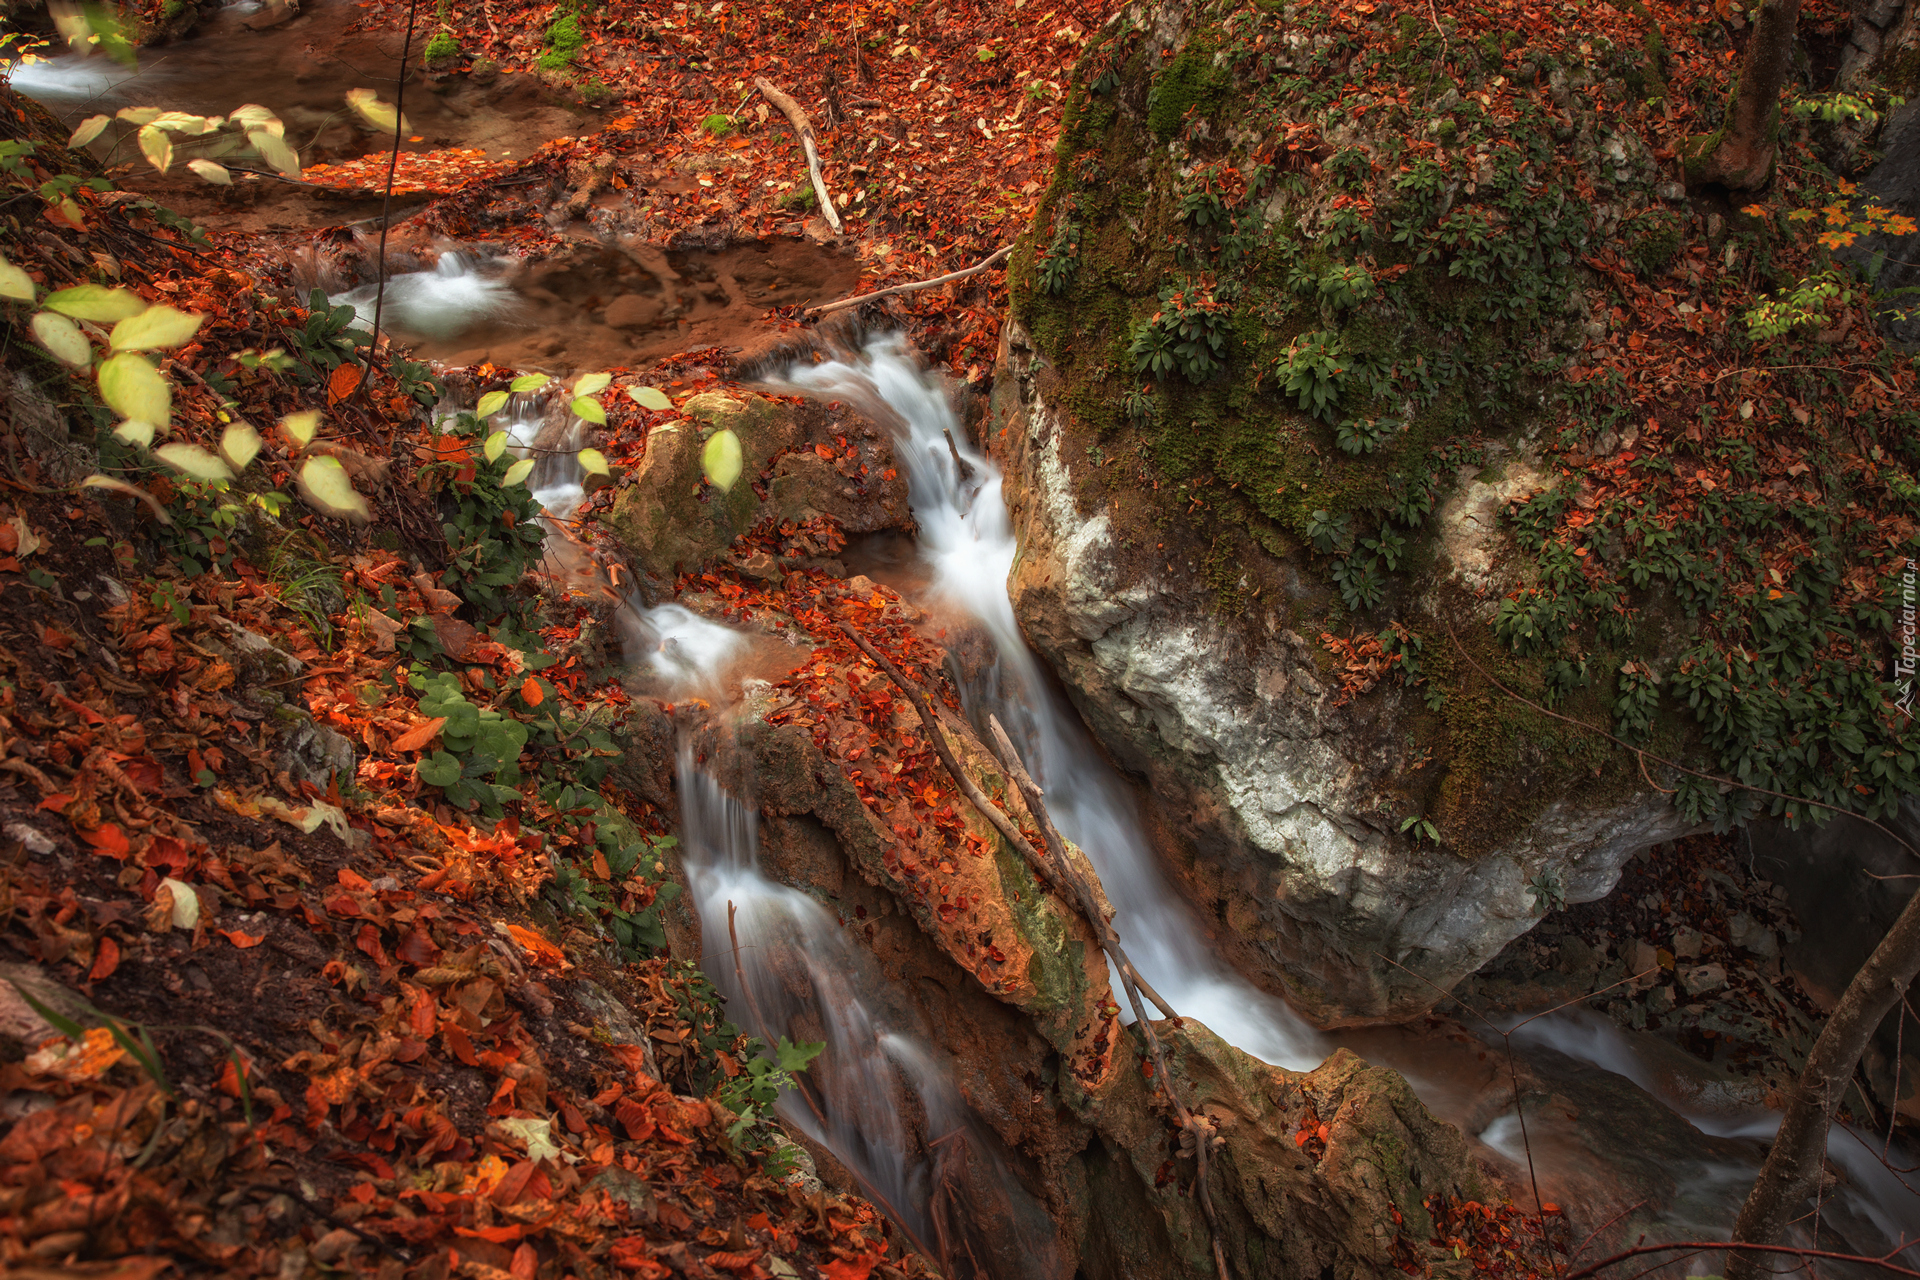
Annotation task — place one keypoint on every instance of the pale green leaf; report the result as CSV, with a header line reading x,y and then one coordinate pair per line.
x,y
649,398
530,382
140,115
588,408
518,472
301,426
591,383
136,433
185,123
156,328
186,903
134,389
239,445
15,283
253,116
491,403
90,128
97,302
495,446
325,485
62,337
594,461
132,491
275,152
721,459
156,146
192,461
536,1134
381,115
214,173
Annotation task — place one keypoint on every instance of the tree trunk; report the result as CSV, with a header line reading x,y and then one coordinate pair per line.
x,y
1742,152
1799,1150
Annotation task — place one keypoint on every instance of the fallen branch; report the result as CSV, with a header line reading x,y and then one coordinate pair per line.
x,y
1700,1245
804,127
1065,879
961,274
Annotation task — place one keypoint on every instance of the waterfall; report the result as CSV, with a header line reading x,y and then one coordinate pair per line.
x,y
968,541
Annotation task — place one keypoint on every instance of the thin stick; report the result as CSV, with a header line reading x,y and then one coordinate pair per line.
x,y
804,127
1705,1245
386,200
961,274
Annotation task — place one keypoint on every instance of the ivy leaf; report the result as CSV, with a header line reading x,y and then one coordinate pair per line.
x,y
156,327
325,485
649,398
63,339
491,403
721,459
134,389
89,129
97,303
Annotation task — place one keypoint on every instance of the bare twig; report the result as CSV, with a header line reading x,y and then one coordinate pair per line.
x,y
1701,1246
386,199
961,274
804,127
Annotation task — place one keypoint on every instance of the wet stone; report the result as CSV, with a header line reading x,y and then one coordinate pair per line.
x,y
1703,978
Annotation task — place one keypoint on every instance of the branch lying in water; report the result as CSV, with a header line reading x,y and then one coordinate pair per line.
x,y
1063,877
961,274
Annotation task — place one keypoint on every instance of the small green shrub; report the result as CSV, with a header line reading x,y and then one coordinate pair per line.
x,y
1188,333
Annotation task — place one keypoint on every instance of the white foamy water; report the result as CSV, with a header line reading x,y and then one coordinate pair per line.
x,y
70,83
457,295
967,538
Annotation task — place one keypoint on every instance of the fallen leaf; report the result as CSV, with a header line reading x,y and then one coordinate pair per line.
x,y
241,939
420,735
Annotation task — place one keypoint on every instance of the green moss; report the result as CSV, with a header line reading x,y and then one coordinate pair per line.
x,y
444,47
1654,240
564,40
1191,80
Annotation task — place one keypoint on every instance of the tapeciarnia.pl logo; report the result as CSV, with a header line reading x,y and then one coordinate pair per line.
x,y
1904,655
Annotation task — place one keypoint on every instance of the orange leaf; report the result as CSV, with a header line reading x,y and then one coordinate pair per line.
x,y
537,948
105,960
419,736
241,939
343,383
859,1269
108,840
530,691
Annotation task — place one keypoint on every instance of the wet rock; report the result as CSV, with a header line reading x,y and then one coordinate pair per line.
x,y
1660,1000
1747,934
631,311
1272,784
1687,943
311,752
1698,980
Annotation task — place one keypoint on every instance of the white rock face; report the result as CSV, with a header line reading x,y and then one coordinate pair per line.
x,y
1283,797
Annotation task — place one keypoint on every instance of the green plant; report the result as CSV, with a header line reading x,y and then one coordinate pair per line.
x,y
751,1095
1311,371
1327,532
717,125
489,519
1421,827
1636,698
564,40
1188,333
1548,890
1364,435
444,47
480,743
621,884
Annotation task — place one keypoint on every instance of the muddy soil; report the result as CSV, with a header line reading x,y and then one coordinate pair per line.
x,y
302,71
598,307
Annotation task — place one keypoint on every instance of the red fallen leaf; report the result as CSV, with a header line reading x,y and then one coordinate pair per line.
x,y
54,638
530,691
494,1235
858,1269
109,841
1300,1138
417,949
420,735
734,1261
343,382
106,958
241,939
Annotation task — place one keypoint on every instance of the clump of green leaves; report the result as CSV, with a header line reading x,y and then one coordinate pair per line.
x,y
564,40
751,1095
480,743
1188,333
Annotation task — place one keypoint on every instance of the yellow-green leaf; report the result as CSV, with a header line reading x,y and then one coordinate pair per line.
x,y
301,426
239,445
155,328
587,408
495,446
325,485
132,491
136,433
529,382
253,116
90,128
591,384
185,122
594,462
97,302
62,337
214,173
193,461
134,389
721,459
649,398
156,146
15,283
140,115
275,152
518,472
491,403
381,115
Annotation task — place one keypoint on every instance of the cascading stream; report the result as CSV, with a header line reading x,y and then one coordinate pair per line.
x,y
967,538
